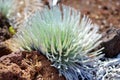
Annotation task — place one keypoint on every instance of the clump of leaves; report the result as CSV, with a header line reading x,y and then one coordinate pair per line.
x,y
12,30
65,38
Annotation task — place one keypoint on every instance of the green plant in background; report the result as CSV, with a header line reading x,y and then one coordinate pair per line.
x,y
12,30
6,7
65,38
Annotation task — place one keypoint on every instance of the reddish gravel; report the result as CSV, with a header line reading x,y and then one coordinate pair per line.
x,y
106,13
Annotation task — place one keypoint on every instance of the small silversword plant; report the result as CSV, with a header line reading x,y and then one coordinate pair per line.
x,y
6,7
108,69
65,38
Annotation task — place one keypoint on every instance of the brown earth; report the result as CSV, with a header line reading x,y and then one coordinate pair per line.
x,y
105,13
27,66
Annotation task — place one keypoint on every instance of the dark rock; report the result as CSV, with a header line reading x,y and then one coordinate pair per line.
x,y
111,42
4,50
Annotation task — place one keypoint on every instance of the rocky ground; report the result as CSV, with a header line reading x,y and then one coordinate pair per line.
x,y
27,66
24,66
105,13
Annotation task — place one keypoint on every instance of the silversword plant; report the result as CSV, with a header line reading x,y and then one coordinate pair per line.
x,y
6,7
65,38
